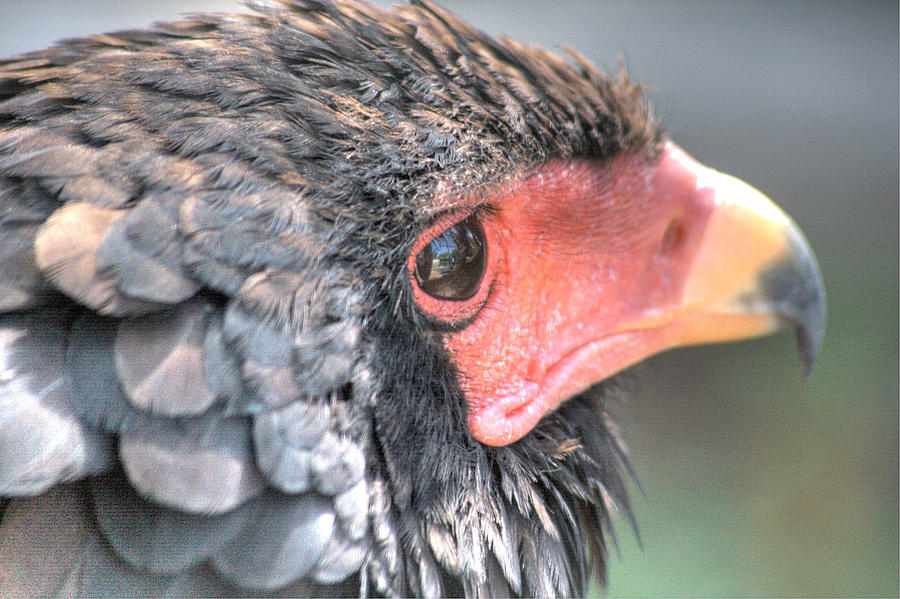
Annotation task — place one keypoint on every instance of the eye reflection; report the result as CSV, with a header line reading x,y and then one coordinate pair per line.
x,y
452,265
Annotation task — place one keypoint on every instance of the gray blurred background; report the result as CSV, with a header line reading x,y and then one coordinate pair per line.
x,y
754,481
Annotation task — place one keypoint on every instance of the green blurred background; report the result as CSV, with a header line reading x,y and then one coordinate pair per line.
x,y
755,481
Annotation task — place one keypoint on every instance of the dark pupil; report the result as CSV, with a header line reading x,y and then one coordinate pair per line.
x,y
452,265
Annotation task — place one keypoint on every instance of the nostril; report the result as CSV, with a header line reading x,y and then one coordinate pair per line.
x,y
673,237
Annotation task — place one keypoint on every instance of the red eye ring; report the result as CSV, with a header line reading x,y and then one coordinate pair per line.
x,y
452,311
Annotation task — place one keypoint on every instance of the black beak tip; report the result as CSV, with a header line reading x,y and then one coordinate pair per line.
x,y
810,333
811,310
794,287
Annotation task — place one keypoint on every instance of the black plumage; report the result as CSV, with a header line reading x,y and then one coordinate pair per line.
x,y
211,362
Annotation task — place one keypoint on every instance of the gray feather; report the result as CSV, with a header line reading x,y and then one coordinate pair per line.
x,y
65,161
223,371
387,563
51,546
143,251
284,440
157,539
352,509
319,326
66,251
341,558
493,585
42,442
23,209
95,393
337,464
266,353
160,360
423,573
290,536
203,466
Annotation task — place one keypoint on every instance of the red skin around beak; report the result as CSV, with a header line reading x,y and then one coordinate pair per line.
x,y
593,267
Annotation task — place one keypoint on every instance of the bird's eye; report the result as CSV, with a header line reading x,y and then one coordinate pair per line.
x,y
452,265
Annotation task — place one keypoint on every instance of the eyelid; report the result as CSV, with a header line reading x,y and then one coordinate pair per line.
x,y
441,224
447,315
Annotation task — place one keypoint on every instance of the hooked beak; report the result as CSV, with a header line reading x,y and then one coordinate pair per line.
x,y
707,259
753,272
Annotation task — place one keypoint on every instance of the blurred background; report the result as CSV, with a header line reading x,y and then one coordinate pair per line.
x,y
753,480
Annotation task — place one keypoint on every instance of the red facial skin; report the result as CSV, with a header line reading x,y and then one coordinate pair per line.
x,y
579,252
594,266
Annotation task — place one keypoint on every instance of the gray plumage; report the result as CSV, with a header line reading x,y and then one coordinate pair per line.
x,y
209,362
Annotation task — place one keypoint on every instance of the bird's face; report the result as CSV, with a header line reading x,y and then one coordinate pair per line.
x,y
579,268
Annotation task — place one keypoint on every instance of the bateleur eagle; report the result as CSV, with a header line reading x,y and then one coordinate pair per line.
x,y
325,299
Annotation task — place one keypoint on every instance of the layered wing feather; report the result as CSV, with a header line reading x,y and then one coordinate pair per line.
x,y
167,332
